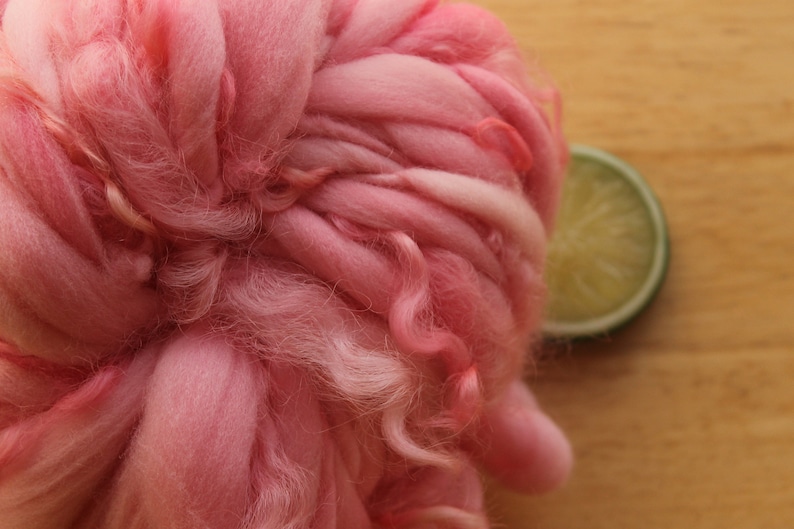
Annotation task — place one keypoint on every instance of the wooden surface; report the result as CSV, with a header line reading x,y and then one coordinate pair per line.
x,y
686,418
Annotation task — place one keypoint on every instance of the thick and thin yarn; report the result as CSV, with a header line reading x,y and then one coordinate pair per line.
x,y
269,264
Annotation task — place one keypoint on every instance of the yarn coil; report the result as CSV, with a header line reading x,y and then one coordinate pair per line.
x,y
269,264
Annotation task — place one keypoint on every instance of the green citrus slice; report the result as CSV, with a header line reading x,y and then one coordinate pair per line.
x,y
609,252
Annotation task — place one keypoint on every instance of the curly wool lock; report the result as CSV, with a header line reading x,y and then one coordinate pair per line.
x,y
268,265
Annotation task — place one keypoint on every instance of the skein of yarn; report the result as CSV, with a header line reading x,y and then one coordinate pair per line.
x,y
269,264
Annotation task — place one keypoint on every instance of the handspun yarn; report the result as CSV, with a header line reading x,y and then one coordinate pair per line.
x,y
268,264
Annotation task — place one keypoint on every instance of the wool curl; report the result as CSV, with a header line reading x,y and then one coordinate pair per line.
x,y
264,264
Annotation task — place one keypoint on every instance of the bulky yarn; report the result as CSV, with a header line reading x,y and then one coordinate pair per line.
x,y
268,264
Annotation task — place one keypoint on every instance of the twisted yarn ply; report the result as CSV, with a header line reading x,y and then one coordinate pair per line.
x,y
268,264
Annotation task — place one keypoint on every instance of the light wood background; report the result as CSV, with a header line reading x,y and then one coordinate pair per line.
x,y
685,419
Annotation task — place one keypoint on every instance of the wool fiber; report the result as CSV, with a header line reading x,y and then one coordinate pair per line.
x,y
269,265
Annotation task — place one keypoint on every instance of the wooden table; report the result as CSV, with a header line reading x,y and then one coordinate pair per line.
x,y
685,419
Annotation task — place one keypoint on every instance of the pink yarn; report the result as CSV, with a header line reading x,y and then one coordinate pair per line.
x,y
268,264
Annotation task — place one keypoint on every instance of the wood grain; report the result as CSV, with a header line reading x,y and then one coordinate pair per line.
x,y
685,419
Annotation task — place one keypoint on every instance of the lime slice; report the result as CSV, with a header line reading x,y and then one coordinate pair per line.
x,y
609,252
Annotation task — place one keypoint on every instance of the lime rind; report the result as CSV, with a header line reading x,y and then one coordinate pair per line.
x,y
628,310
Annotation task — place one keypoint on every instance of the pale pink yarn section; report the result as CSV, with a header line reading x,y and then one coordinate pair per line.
x,y
268,264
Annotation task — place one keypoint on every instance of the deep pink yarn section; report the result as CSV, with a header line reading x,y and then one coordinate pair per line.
x,y
264,264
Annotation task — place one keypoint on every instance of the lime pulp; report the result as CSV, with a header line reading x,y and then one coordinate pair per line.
x,y
609,252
